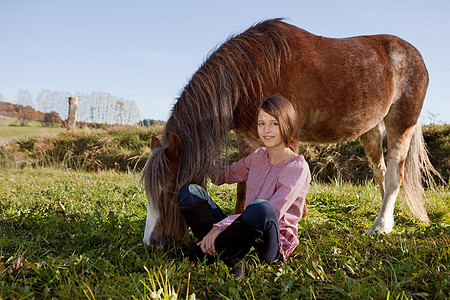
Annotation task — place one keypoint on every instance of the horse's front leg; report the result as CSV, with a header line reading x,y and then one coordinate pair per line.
x,y
373,146
152,217
245,147
240,197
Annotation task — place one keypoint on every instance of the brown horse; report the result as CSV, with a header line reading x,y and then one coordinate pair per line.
x,y
365,86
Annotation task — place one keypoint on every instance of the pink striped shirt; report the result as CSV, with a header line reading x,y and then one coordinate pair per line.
x,y
284,185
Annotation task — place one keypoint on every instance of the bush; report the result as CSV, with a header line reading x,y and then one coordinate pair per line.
x,y
127,148
437,138
121,148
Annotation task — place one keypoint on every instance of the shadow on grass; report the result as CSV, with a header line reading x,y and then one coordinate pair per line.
x,y
54,253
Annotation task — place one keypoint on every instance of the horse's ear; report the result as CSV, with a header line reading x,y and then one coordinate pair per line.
x,y
174,148
155,143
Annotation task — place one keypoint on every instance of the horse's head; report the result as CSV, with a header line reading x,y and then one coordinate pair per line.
x,y
164,219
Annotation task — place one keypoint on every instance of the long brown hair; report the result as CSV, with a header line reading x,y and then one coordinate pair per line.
x,y
281,109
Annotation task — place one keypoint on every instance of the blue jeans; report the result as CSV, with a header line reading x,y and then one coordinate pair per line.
x,y
260,215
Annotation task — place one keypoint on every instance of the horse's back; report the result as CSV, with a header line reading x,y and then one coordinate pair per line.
x,y
343,87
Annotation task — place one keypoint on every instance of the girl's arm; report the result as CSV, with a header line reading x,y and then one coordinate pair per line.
x,y
207,243
226,222
236,172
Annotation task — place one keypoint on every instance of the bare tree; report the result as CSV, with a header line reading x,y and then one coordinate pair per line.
x,y
24,101
133,115
119,112
24,98
96,107
42,101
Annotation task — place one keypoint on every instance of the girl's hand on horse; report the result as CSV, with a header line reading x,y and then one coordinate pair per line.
x,y
207,244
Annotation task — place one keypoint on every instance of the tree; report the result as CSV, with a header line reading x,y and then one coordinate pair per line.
x,y
151,122
43,101
7,110
133,115
96,107
26,113
110,103
52,118
24,98
120,111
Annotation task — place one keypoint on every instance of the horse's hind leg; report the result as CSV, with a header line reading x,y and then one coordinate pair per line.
x,y
398,145
408,87
373,146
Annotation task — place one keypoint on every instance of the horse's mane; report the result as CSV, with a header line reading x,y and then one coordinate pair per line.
x,y
233,74
203,114
152,178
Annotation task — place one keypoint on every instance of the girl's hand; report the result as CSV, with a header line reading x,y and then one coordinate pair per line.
x,y
207,244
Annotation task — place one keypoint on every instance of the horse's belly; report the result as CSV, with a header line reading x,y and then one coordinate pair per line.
x,y
337,128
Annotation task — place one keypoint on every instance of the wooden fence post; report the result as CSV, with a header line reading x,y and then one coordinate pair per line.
x,y
73,107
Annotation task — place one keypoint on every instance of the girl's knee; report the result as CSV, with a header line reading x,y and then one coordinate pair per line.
x,y
259,212
262,207
190,194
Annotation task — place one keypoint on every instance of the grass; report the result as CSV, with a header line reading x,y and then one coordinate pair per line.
x,y
12,129
72,234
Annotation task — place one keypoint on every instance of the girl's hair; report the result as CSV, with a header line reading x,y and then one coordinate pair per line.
x,y
281,109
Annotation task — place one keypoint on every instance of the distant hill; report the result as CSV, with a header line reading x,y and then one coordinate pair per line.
x,y
28,113
8,110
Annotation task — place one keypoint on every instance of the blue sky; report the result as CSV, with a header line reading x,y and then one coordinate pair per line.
x,y
147,51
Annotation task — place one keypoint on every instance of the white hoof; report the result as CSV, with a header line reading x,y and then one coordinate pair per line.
x,y
147,241
381,226
158,246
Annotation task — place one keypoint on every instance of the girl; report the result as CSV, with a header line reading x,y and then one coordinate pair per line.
x,y
277,183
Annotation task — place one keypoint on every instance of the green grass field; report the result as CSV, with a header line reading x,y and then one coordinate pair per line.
x,y
71,235
12,129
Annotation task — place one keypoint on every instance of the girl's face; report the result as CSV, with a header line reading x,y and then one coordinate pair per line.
x,y
269,130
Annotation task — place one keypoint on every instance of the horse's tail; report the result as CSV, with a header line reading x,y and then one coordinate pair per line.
x,y
418,165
